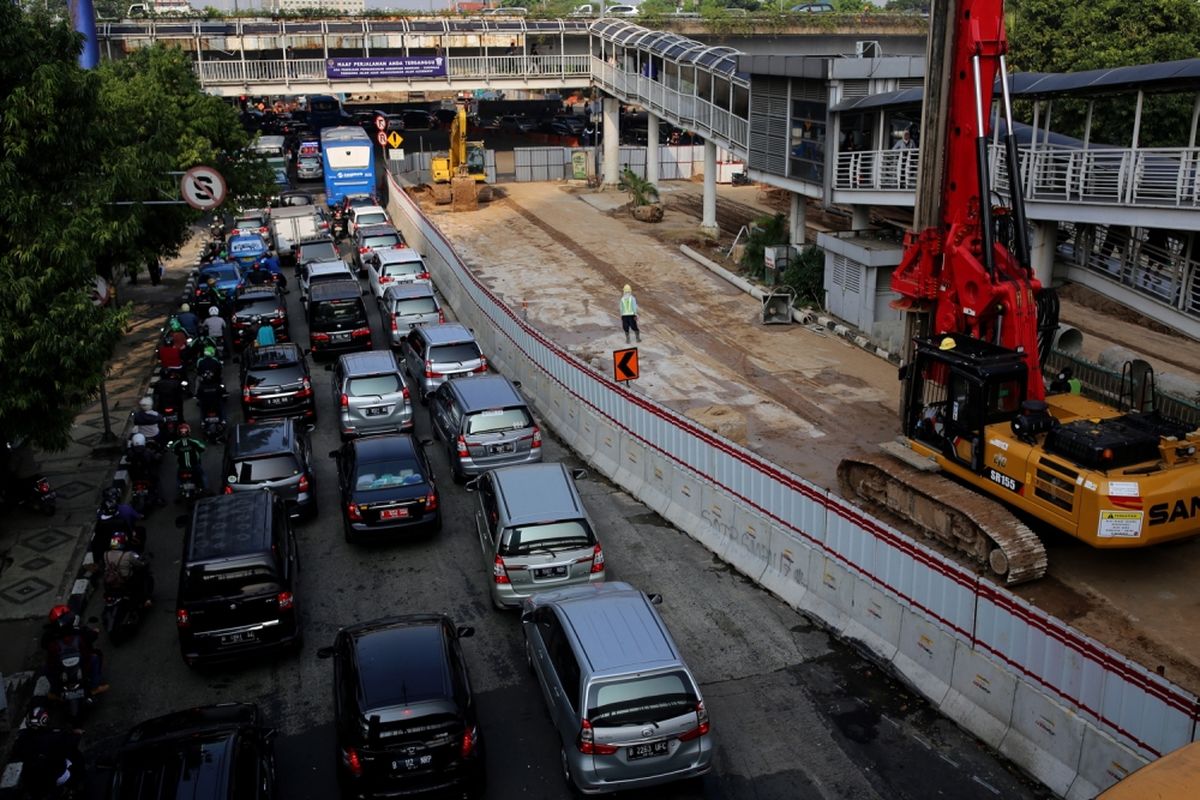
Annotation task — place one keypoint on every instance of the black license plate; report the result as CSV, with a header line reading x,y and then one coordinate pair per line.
x,y
501,448
377,411
647,750
341,337
239,638
277,401
550,572
412,762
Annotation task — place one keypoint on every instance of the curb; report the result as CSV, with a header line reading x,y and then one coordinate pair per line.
x,y
803,316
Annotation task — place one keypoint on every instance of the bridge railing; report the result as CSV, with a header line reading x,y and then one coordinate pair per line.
x,y
877,170
250,71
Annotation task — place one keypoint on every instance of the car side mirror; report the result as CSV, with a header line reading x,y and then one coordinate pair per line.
x,y
465,631
526,616
579,474
655,598
325,652
309,427
181,521
231,479
472,485
517,384
426,442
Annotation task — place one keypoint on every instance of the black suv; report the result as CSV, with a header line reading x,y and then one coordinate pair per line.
x,y
221,752
276,383
256,304
404,713
273,454
237,579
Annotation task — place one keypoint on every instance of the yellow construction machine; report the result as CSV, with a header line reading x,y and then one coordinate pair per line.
x,y
458,172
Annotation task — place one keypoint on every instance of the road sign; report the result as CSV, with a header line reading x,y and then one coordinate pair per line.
x,y
395,139
381,137
203,188
380,122
625,364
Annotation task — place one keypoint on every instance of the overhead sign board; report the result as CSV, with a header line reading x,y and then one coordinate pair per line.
x,y
625,364
340,69
395,139
203,188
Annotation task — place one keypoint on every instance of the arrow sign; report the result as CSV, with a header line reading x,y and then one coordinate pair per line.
x,y
625,364
395,139
203,188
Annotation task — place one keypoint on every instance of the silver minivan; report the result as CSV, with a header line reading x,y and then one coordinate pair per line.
x,y
534,532
434,354
407,305
371,394
485,423
628,712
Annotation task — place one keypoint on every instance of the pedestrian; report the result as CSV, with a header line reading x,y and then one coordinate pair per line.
x,y
905,142
589,131
154,267
629,313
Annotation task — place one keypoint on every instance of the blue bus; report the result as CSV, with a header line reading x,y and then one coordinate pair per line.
x,y
348,157
324,111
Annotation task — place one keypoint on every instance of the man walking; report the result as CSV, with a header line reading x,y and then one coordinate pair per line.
x,y
629,313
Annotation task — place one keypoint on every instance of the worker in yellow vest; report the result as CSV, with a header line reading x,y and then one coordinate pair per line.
x,y
629,313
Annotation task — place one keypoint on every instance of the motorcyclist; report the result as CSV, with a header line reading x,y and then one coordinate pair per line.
x,y
188,453
147,421
114,517
208,365
170,352
143,465
265,335
64,629
188,320
50,757
210,392
258,275
214,326
126,573
271,264
169,392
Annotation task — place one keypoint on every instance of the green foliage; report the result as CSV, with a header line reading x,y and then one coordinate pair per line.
x,y
1069,36
641,191
921,6
805,274
766,231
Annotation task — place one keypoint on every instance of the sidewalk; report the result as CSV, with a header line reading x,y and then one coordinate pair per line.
x,y
39,556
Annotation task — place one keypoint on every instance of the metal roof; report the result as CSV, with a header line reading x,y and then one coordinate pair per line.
x,y
720,60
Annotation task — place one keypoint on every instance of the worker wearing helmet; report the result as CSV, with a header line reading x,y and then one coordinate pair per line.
x,y
629,313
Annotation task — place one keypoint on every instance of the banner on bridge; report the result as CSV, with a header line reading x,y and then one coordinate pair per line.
x,y
380,67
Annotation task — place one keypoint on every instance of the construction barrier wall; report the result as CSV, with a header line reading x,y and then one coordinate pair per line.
x,y
1075,714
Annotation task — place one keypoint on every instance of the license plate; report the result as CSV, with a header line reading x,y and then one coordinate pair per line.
x,y
501,448
648,750
341,337
393,513
237,638
73,694
413,762
378,411
277,401
550,572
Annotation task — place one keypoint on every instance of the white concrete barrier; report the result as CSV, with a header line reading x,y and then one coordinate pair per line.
x,y
830,593
1102,762
787,575
874,620
1044,738
925,656
981,695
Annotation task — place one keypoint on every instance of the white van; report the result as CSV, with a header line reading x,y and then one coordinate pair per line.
x,y
272,149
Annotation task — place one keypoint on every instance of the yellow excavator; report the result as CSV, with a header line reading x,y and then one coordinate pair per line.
x,y
458,172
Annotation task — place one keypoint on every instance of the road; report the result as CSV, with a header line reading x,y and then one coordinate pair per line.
x,y
796,714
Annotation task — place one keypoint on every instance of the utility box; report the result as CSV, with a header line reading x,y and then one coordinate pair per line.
x,y
775,261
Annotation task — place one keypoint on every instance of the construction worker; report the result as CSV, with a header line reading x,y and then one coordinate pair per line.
x,y
629,313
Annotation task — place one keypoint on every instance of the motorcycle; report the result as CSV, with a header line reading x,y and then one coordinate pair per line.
x,y
141,496
68,679
213,427
187,487
33,492
123,612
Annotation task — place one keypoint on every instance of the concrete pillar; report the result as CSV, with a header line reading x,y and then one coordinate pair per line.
x,y
708,222
612,141
797,219
652,148
860,218
1041,251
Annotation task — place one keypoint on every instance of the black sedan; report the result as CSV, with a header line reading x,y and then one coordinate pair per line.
x,y
255,305
386,486
276,383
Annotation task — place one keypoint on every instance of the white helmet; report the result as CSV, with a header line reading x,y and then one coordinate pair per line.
x,y
146,404
185,308
139,440
213,311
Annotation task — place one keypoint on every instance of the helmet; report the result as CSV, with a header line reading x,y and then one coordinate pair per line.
x,y
58,611
213,311
118,541
38,717
111,495
627,288
211,280
174,324
184,429
185,308
138,440
146,404
210,351
947,343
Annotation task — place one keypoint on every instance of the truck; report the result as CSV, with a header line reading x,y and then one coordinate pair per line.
x,y
292,224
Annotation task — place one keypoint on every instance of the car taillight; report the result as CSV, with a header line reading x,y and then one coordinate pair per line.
x,y
702,725
482,364
587,742
246,396
424,276
406,394
285,600
319,337
363,250
429,373
43,486
463,452
182,618
352,761
468,741
358,333
385,278
597,560
353,513
345,401
431,501
499,571
228,490
262,230
395,327
441,315
537,437
302,486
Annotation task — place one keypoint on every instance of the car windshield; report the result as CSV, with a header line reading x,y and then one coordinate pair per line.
x,y
333,275
372,218
225,272
310,162
388,474
454,353
267,468
239,247
194,761
405,268
417,305
337,310
318,251
360,200
640,701
256,306
268,375
256,579
498,419
374,385
549,535
381,240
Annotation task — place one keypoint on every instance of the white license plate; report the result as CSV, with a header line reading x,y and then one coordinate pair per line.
x,y
648,750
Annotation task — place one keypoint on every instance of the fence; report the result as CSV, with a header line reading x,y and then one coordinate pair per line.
x,y
678,162
416,166
1075,714
1105,385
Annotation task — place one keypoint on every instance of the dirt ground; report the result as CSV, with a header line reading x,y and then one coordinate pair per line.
x,y
798,396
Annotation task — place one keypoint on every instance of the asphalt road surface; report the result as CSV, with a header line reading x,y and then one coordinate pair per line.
x,y
795,713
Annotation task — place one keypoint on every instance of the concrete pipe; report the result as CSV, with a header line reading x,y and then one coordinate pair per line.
x,y
1067,340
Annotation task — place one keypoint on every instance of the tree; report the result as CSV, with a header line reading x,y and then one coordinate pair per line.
x,y
53,339
1070,36
921,6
